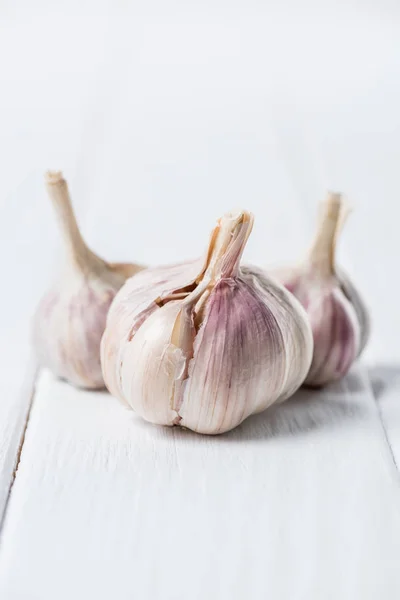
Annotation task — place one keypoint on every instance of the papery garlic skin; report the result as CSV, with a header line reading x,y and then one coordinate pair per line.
x,y
337,313
359,306
71,317
206,344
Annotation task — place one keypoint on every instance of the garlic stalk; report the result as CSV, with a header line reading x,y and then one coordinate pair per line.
x,y
71,317
337,314
205,344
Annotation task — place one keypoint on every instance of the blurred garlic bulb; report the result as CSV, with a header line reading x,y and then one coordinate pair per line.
x,y
337,314
71,317
206,344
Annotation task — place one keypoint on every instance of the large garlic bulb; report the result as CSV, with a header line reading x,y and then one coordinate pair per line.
x,y
337,314
206,344
71,317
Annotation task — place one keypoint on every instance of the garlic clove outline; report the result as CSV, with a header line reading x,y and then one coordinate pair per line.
x,y
207,343
71,317
337,313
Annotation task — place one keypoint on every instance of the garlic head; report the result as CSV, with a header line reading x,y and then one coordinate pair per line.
x,y
337,313
71,317
207,343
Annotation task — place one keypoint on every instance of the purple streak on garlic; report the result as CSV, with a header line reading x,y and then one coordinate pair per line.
x,y
337,314
71,317
205,344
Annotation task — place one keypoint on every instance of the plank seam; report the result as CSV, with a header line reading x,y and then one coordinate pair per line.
x,y
32,379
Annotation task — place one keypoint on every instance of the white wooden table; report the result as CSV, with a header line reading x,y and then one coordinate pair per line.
x,y
161,123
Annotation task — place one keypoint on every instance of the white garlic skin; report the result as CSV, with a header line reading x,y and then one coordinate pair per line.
x,y
339,324
337,313
71,317
358,304
252,347
68,326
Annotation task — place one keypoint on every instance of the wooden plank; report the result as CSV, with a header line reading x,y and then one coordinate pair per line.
x,y
299,502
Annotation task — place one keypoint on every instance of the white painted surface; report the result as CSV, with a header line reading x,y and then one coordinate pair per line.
x,y
162,120
303,503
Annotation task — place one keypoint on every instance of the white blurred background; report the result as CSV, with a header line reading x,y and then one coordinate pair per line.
x,y
163,115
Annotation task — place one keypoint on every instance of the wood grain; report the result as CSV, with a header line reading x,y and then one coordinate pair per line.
x,y
302,500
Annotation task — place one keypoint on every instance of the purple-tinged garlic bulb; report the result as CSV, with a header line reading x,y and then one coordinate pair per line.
x,y
206,344
338,316
71,317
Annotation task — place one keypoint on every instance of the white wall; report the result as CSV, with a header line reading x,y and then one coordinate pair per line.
x,y
164,115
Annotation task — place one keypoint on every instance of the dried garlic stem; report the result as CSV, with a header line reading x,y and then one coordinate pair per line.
x,y
225,251
58,192
322,253
345,211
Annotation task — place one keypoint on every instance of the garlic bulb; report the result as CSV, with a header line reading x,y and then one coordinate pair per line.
x,y
337,314
206,344
71,317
